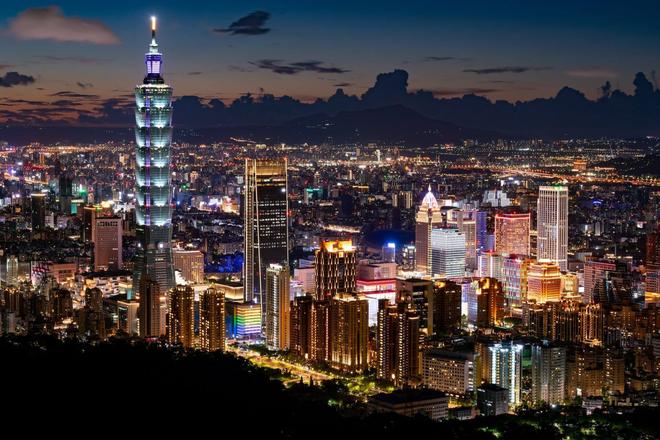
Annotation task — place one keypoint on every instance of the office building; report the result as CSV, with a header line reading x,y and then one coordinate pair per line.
x,y
277,325
243,320
448,253
335,268
552,225
428,218
543,282
514,273
190,263
512,234
153,198
465,220
108,249
301,326
266,226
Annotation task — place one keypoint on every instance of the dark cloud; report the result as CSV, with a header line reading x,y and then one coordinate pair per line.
x,y
251,24
11,79
195,73
70,59
505,69
344,84
69,94
465,91
282,68
84,85
433,59
592,73
50,23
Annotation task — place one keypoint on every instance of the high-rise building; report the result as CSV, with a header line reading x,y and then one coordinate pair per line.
x,y
266,226
514,271
65,193
506,368
11,277
448,253
419,294
38,202
301,326
452,372
428,218
492,400
181,316
652,284
349,333
278,317
397,343
465,220
552,225
543,282
153,138
490,264
490,302
335,268
595,273
152,305
512,234
212,330
108,244
190,263
548,374
447,301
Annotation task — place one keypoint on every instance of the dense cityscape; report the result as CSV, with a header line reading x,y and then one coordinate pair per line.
x,y
482,287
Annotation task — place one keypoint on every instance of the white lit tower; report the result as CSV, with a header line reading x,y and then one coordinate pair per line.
x,y
153,138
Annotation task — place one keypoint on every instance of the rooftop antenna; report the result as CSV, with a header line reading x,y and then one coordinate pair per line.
x,y
153,27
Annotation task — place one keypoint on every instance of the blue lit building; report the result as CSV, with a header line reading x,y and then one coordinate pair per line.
x,y
153,138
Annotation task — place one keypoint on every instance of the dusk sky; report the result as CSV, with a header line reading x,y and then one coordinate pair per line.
x,y
502,50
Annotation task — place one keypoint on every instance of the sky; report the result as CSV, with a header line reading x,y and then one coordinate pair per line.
x,y
512,50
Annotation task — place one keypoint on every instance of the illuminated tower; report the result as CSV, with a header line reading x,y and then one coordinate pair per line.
x,y
552,225
428,218
153,137
266,230
512,234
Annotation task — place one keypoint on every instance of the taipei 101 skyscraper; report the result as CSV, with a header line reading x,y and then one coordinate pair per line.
x,y
153,138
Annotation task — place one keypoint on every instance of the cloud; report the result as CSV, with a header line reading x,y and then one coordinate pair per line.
x,y
278,66
6,66
591,73
50,23
344,84
70,59
84,85
195,73
465,91
11,79
433,59
69,94
505,69
251,24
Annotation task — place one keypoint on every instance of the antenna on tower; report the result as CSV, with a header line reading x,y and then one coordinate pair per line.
x,y
153,27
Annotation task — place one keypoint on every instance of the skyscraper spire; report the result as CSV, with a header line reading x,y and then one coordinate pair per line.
x,y
153,138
